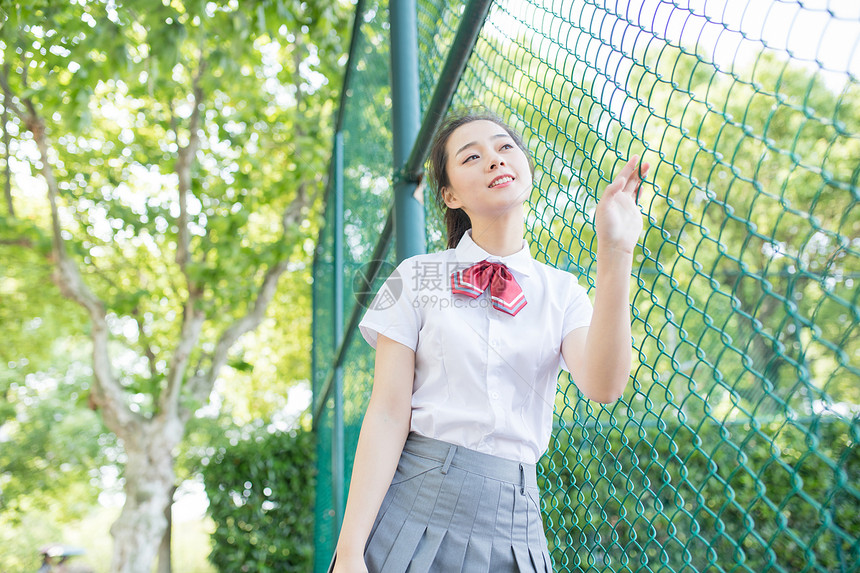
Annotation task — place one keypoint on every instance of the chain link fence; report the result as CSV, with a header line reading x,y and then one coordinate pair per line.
x,y
734,447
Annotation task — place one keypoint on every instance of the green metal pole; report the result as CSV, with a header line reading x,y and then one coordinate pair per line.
x,y
459,53
406,121
337,450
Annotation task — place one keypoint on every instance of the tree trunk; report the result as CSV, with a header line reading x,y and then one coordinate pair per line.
x,y
149,483
165,557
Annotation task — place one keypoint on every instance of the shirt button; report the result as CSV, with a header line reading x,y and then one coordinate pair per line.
x,y
494,395
494,343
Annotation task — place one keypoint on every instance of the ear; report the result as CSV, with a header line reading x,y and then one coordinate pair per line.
x,y
450,199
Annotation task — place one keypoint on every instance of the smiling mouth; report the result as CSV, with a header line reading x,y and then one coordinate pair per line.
x,y
501,180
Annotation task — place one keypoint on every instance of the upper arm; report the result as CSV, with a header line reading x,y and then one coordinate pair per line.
x,y
574,355
393,377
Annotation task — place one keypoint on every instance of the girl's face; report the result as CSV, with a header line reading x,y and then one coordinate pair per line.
x,y
488,173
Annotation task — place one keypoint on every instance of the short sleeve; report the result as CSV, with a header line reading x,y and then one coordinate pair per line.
x,y
576,315
392,312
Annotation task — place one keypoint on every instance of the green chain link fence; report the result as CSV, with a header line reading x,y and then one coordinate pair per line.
x,y
734,447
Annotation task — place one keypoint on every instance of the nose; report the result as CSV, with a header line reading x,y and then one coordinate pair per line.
x,y
495,162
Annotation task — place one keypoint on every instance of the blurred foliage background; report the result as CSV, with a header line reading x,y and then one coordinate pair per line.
x,y
176,151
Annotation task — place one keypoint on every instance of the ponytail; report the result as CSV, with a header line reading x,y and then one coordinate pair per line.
x,y
457,222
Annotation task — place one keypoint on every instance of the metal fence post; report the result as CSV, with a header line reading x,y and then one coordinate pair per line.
x,y
337,451
406,121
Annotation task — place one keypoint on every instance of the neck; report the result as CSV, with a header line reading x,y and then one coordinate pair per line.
x,y
501,236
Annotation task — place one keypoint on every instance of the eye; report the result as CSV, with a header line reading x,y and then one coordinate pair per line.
x,y
507,146
470,158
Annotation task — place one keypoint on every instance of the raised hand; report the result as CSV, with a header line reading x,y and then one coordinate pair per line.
x,y
618,218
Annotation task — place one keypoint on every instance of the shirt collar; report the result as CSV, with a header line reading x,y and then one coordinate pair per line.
x,y
468,252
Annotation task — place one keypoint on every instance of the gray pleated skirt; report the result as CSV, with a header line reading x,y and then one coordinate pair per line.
x,y
450,509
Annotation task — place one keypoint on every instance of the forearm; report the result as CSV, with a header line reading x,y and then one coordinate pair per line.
x,y
608,354
380,443
600,359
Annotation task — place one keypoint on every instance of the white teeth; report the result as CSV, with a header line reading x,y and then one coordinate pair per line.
x,y
500,181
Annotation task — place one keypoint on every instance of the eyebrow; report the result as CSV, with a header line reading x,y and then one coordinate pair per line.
x,y
471,143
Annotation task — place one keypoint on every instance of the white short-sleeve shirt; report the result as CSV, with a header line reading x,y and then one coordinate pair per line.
x,y
484,379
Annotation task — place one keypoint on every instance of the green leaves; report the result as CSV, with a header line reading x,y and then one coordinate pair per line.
x,y
57,443
261,497
118,85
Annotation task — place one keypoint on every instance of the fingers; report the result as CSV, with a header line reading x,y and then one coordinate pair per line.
x,y
621,180
629,179
629,168
635,180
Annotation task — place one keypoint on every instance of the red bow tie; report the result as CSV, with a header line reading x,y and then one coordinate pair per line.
x,y
505,294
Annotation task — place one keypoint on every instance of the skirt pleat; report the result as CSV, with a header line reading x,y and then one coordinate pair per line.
x,y
439,523
414,522
480,544
503,542
390,525
427,550
519,535
452,552
537,538
452,510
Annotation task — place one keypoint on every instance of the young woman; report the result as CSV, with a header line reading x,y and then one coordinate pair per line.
x,y
468,346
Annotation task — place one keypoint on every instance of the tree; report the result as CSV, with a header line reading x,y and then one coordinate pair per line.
x,y
182,148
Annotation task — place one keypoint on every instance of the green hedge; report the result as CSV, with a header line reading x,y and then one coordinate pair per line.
x,y
261,497
740,497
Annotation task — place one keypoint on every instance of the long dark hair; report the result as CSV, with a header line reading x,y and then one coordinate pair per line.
x,y
456,220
